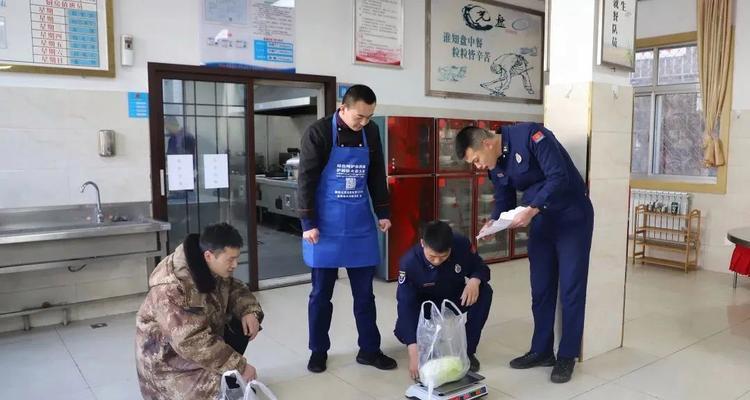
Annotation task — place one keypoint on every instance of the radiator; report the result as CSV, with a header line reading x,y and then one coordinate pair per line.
x,y
640,196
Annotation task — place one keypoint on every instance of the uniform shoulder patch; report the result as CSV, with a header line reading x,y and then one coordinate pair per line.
x,y
537,137
401,277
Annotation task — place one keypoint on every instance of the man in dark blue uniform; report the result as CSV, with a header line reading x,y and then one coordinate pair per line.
x,y
442,266
527,157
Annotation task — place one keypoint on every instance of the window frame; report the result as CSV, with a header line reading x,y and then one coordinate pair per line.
x,y
676,182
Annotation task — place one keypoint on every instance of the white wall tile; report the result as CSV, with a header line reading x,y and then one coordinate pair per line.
x,y
31,188
48,144
612,108
610,155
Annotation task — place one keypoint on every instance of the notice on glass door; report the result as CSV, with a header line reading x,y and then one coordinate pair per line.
x,y
180,172
215,171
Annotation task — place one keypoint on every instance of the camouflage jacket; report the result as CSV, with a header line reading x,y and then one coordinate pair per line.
x,y
180,350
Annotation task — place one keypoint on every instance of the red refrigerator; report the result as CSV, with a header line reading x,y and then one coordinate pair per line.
x,y
427,181
409,148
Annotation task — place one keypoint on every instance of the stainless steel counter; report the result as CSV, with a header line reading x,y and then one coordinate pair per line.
x,y
34,239
76,231
277,196
51,237
286,183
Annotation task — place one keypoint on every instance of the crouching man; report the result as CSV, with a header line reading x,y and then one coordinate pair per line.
x,y
196,320
442,266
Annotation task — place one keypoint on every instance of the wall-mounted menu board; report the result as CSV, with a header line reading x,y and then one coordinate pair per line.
x,y
73,37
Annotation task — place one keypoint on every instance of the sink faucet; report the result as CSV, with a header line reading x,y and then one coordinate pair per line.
x,y
99,212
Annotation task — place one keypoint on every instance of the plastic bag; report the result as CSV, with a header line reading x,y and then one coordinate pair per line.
x,y
234,387
441,345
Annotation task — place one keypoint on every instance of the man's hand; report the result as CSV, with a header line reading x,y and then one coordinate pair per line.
x,y
250,326
523,218
384,225
413,361
311,236
471,292
249,374
487,224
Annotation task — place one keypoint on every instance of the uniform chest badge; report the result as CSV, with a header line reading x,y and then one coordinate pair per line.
x,y
401,277
458,268
518,158
500,174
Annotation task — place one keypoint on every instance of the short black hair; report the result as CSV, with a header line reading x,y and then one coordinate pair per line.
x,y
359,93
218,236
438,236
470,137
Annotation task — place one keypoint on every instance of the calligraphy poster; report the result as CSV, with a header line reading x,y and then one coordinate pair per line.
x,y
617,33
255,34
379,32
484,49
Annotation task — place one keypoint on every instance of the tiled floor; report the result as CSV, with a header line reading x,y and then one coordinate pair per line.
x,y
686,337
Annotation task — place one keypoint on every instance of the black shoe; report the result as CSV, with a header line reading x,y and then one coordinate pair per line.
x,y
531,360
563,370
317,363
473,363
377,360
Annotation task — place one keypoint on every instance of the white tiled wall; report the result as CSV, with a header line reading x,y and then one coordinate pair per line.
x,y
48,148
722,212
596,119
611,126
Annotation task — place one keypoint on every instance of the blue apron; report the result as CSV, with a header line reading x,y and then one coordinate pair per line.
x,y
348,235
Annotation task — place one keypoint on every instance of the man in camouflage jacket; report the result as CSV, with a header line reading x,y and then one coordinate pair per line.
x,y
196,320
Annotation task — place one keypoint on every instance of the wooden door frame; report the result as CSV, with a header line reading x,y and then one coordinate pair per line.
x,y
160,71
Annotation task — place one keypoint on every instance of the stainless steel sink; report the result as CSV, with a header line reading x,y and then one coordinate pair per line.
x,y
35,239
51,234
70,222
74,230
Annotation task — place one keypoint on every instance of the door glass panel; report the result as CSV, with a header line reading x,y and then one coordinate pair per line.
x,y
416,198
495,247
278,132
447,131
411,145
199,132
455,203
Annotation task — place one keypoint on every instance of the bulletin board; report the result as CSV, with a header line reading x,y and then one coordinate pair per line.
x,y
71,37
484,49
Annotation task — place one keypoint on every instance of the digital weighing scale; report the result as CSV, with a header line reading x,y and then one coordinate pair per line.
x,y
469,387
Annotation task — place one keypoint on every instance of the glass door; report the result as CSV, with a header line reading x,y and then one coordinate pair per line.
x,y
206,158
282,112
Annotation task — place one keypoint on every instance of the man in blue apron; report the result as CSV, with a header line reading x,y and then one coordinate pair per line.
x,y
527,157
341,168
442,266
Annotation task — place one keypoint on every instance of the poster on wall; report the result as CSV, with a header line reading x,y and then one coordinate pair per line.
x,y
617,33
252,34
379,32
72,37
484,49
